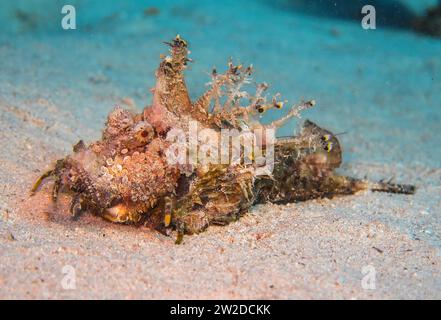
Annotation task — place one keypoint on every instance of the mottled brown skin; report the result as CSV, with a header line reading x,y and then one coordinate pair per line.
x,y
126,178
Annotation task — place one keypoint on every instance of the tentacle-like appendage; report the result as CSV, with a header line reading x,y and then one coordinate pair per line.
x,y
294,112
76,207
40,180
217,83
170,91
203,103
56,189
258,97
180,228
192,222
168,208
59,165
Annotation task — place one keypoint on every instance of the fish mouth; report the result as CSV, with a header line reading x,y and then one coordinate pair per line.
x,y
122,213
117,213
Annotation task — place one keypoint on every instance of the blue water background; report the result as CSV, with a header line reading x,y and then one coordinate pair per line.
x,y
382,87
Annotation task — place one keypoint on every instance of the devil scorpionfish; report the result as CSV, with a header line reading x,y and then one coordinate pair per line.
x,y
127,176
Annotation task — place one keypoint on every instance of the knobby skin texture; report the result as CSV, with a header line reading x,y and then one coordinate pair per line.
x,y
127,176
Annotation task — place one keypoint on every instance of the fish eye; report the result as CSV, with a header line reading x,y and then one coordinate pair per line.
x,y
328,146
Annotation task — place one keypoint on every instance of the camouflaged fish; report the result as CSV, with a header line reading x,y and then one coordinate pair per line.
x,y
127,176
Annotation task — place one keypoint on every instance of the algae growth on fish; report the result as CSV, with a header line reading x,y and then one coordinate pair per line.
x,y
184,165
